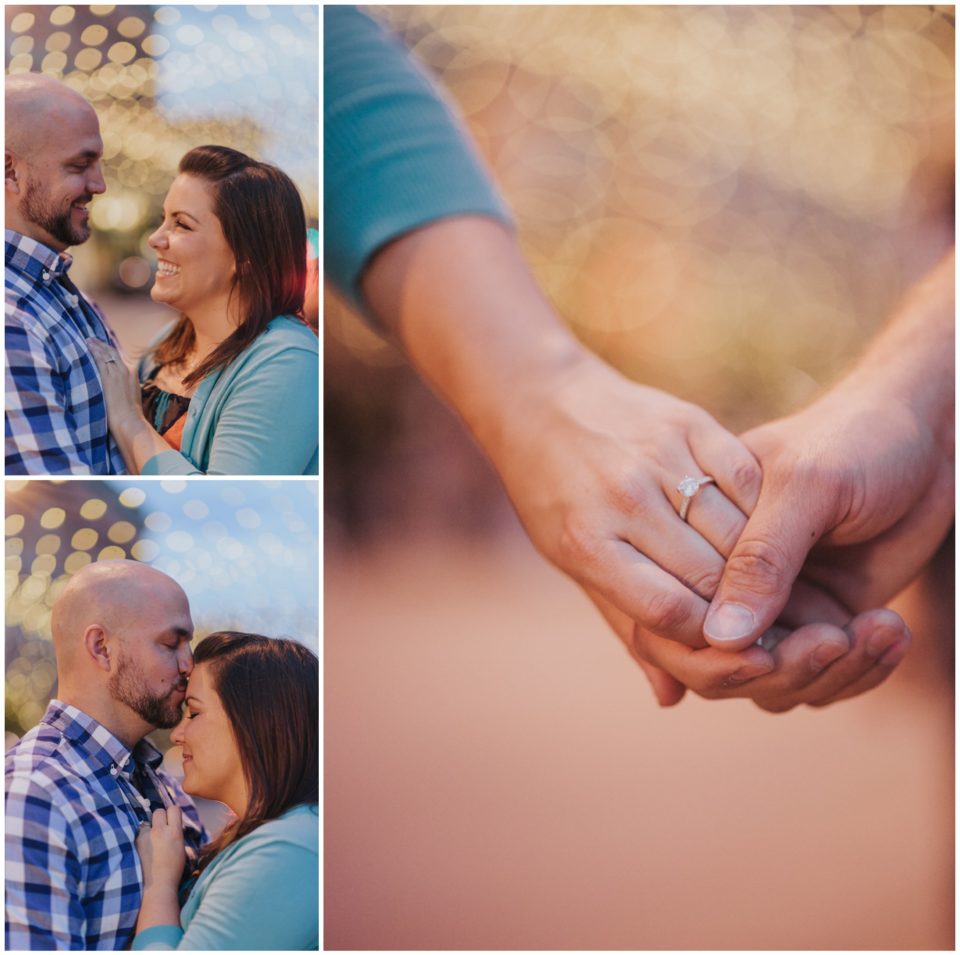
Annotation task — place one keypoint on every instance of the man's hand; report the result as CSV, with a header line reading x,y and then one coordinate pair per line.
x,y
817,664
857,489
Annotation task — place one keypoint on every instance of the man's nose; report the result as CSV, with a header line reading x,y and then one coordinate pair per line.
x,y
185,660
95,181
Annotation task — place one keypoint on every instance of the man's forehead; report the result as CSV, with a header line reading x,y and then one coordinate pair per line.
x,y
66,130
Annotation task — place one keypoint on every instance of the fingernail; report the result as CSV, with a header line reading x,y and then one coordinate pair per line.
x,y
895,654
825,654
881,641
729,622
749,672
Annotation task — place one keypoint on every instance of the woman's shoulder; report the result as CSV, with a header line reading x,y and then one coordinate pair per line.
x,y
299,826
287,331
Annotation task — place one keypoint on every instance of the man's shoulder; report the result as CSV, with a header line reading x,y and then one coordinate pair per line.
x,y
44,765
29,310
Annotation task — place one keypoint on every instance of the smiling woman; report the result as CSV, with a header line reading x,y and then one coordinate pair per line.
x,y
240,361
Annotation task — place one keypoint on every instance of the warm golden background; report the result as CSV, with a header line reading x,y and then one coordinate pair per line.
x,y
245,552
164,79
724,202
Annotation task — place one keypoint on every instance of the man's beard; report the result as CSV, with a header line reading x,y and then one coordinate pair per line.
x,y
126,686
38,210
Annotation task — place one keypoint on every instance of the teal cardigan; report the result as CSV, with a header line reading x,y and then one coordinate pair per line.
x,y
396,156
259,415
262,893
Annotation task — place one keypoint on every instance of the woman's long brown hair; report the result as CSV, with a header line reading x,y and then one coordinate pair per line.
x,y
262,219
270,690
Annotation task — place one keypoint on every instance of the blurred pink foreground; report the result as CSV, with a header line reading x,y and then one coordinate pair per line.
x,y
498,776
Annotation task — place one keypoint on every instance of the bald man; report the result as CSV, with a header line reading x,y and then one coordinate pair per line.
x,y
56,420
81,783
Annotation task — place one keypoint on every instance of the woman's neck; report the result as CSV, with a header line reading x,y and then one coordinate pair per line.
x,y
212,323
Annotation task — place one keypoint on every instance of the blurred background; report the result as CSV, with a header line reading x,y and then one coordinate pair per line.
x,y
245,552
726,203
164,79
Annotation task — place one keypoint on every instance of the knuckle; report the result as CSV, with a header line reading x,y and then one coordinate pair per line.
x,y
747,477
628,496
759,566
705,584
666,612
578,544
729,536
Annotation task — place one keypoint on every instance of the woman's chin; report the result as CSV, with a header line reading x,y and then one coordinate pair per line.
x,y
161,297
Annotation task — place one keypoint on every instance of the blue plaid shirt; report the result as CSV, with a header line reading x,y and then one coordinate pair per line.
x,y
56,419
73,875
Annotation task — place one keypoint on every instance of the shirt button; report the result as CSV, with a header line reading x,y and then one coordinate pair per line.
x,y
46,275
114,770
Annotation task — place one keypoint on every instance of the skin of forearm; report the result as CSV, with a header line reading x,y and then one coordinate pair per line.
x,y
461,301
159,907
912,359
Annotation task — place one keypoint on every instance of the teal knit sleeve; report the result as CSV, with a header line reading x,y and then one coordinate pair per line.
x,y
264,898
395,155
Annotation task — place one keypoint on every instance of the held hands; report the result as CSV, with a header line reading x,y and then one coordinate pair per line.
x,y
857,496
591,462
609,518
592,470
161,849
860,478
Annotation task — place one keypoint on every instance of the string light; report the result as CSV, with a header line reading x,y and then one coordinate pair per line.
x,y
223,544
137,64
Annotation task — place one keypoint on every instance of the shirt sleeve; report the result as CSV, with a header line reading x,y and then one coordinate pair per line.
x,y
41,436
396,156
269,424
263,899
43,873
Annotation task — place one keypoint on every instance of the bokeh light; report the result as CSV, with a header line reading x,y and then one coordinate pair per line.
x,y
724,202
257,575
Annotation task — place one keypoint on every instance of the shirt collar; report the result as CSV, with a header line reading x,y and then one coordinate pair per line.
x,y
97,742
39,261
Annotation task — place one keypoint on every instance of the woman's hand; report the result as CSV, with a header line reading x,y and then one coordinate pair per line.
x,y
592,464
137,440
590,459
161,849
121,390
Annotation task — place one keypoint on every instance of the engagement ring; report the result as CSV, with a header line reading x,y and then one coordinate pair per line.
x,y
688,488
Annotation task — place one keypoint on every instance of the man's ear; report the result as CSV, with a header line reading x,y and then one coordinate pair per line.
x,y
11,179
96,645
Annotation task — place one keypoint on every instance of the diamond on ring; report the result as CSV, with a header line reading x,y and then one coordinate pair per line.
x,y
689,487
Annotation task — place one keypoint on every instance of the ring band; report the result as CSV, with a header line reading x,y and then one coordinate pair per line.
x,y
689,487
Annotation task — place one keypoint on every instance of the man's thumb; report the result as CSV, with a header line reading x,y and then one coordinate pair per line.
x,y
760,572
